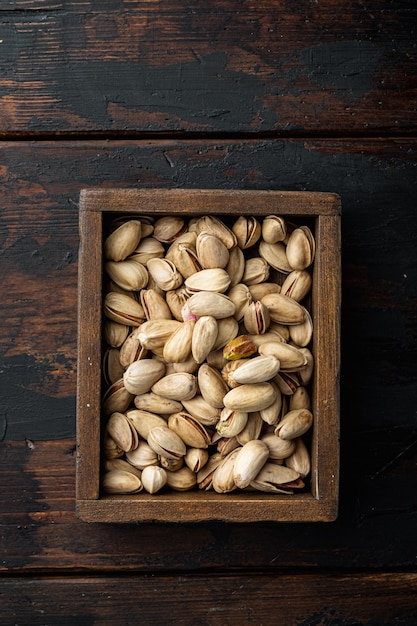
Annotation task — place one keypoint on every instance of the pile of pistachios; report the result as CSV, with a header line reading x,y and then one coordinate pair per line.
x,y
207,364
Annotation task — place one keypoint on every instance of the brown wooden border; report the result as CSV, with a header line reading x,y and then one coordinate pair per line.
x,y
319,505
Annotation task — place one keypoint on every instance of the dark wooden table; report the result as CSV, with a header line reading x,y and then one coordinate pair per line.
x,y
316,96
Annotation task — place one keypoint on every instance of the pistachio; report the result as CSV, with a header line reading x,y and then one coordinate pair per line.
x,y
274,228
178,346
216,280
165,442
216,227
300,399
297,285
165,274
223,476
182,480
121,464
122,241
141,375
301,248
167,229
132,349
299,460
114,333
178,386
252,429
257,318
204,337
239,348
117,398
257,370
211,251
250,397
227,329
143,421
256,271
294,424
247,230
249,461
278,448
154,333
123,309
154,305
191,431
130,274
259,290
274,478
196,458
112,368
148,248
275,254
283,309
205,474
204,412
156,404
241,297
153,478
231,422
122,432
212,386
120,481
291,358
211,303
236,266
301,334
143,456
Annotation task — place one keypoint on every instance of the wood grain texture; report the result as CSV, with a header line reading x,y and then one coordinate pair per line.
x,y
123,66
222,600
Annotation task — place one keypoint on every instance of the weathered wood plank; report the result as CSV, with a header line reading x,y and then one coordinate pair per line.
x,y
223,600
218,67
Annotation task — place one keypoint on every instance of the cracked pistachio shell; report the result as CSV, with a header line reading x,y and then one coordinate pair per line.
x,y
301,248
274,478
177,386
120,481
225,445
123,241
275,254
166,443
153,478
211,251
297,285
250,397
256,318
205,474
148,248
231,422
249,461
154,305
184,257
191,431
122,432
123,309
214,226
176,300
129,274
165,274
183,479
287,382
141,375
117,398
274,228
196,458
247,230
167,229
132,349
294,424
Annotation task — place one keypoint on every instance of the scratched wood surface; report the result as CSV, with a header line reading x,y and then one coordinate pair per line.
x,y
297,96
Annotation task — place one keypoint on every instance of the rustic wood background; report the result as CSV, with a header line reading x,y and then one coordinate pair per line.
x,y
302,95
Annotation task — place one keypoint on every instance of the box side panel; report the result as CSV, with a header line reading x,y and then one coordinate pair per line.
x,y
89,355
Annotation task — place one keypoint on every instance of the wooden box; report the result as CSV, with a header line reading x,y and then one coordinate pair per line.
x,y
320,501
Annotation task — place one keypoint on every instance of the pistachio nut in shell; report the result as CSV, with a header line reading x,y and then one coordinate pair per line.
x,y
166,443
204,412
183,479
297,285
185,259
252,429
299,460
301,334
274,228
259,369
294,424
148,248
178,386
275,255
250,397
241,297
168,228
272,414
117,398
247,230
121,464
165,274
290,357
122,432
211,251
191,431
214,226
283,309
157,404
144,421
120,481
141,375
216,280
211,303
171,465
260,290
256,271
236,265
223,476
112,368
231,422
123,241
227,329
212,386
196,458
257,319
115,334
123,309
178,346
132,349
153,478
249,461
301,248
142,456
300,399
274,478
129,274
204,337
205,474
278,448
154,305
239,347
154,333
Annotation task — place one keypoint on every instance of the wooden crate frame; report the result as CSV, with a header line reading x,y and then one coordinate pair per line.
x,y
321,503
